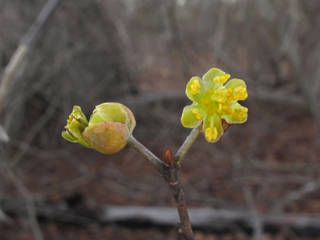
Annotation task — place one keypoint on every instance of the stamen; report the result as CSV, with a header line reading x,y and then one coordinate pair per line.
x,y
215,133
195,87
216,79
244,95
226,109
195,111
224,78
242,90
237,89
236,116
197,115
208,133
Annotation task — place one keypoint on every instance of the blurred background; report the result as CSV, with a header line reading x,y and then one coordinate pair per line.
x,y
142,53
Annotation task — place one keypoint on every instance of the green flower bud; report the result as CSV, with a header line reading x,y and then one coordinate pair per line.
x,y
113,112
76,124
110,126
108,130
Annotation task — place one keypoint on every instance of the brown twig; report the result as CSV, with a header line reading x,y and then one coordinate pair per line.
x,y
170,173
172,179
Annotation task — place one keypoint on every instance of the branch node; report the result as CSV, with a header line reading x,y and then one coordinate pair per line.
x,y
174,183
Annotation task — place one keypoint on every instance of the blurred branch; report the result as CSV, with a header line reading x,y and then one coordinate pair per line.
x,y
219,33
256,221
291,51
23,49
176,38
202,218
299,194
4,217
114,46
29,201
4,137
289,35
36,128
317,72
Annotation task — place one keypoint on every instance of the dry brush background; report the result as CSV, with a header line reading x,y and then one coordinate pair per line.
x,y
142,53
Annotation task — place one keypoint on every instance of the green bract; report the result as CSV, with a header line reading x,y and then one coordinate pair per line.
x,y
107,131
213,101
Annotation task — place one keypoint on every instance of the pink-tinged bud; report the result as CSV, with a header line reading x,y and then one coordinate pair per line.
x,y
107,137
108,130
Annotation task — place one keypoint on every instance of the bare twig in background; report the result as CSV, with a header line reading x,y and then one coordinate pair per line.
x,y
220,31
298,195
19,56
4,137
291,50
176,38
4,217
36,128
256,221
202,218
24,48
29,201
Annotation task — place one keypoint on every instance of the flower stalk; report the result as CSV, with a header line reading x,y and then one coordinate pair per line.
x,y
153,159
185,146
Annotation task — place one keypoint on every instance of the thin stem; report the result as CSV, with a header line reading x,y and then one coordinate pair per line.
x,y
153,159
185,227
185,146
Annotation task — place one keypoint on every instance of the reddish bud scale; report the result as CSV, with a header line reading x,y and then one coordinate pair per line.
x,y
225,125
168,157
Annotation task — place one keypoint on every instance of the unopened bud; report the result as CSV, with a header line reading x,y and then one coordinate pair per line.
x,y
168,157
107,131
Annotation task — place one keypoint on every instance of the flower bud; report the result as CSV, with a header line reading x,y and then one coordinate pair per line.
x,y
107,137
113,112
109,128
76,124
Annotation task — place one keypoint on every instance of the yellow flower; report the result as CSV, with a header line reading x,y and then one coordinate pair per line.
x,y
213,101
